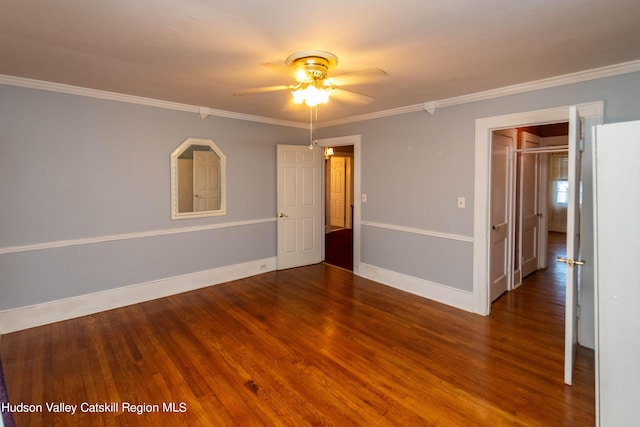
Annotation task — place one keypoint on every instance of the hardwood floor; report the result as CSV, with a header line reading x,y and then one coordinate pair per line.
x,y
339,248
307,346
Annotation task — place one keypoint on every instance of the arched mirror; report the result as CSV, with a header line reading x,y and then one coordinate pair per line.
x,y
198,170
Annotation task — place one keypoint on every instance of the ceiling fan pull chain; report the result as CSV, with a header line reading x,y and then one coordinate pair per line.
x,y
315,110
310,128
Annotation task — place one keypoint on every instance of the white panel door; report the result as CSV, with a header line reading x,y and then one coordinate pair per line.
x,y
206,181
337,195
299,203
573,245
529,209
499,215
616,175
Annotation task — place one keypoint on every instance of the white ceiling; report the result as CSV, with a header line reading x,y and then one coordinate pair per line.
x,y
199,52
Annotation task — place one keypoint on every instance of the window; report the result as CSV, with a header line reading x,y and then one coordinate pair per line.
x,y
561,192
559,179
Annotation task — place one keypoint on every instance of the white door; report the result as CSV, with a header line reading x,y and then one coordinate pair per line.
x,y
529,209
206,181
337,195
499,215
616,152
573,244
299,204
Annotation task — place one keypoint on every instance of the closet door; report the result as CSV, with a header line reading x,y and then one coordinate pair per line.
x,y
616,177
529,211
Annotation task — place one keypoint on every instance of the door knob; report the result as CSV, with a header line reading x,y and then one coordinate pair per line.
x,y
281,215
571,262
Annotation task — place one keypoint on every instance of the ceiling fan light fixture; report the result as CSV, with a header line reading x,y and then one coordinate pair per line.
x,y
311,95
313,86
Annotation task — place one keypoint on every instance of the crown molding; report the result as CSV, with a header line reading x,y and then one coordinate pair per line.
x,y
566,79
375,115
562,80
139,100
429,106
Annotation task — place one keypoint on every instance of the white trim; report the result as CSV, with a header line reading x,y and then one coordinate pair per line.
x,y
54,311
581,76
434,291
139,100
565,79
356,141
125,236
375,115
562,80
482,180
430,233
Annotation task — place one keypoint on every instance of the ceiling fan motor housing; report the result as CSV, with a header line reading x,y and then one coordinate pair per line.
x,y
311,65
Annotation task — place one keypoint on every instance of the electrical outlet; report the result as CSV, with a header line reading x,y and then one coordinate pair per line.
x,y
461,202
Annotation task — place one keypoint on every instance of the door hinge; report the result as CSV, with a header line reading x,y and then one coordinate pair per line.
x,y
581,134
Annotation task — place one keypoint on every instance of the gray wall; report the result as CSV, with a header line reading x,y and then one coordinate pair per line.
x,y
75,167
414,167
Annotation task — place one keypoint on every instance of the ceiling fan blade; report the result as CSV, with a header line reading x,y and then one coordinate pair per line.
x,y
281,68
351,96
368,75
262,90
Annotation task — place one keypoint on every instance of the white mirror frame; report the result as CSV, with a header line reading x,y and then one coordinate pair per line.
x,y
175,214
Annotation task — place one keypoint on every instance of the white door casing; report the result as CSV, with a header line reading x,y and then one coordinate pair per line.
x,y
356,141
349,192
482,180
499,251
529,214
299,204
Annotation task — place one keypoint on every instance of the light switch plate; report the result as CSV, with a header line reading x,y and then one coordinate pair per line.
x,y
461,202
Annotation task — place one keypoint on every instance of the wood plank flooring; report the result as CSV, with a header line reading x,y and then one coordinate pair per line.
x,y
307,346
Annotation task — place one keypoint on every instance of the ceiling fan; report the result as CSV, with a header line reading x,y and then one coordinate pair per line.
x,y
313,85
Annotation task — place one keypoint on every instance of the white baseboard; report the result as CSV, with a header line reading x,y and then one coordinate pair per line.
x,y
424,288
54,311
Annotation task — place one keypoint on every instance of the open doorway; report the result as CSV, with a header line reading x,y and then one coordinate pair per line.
x,y
355,142
591,114
339,205
580,117
529,182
